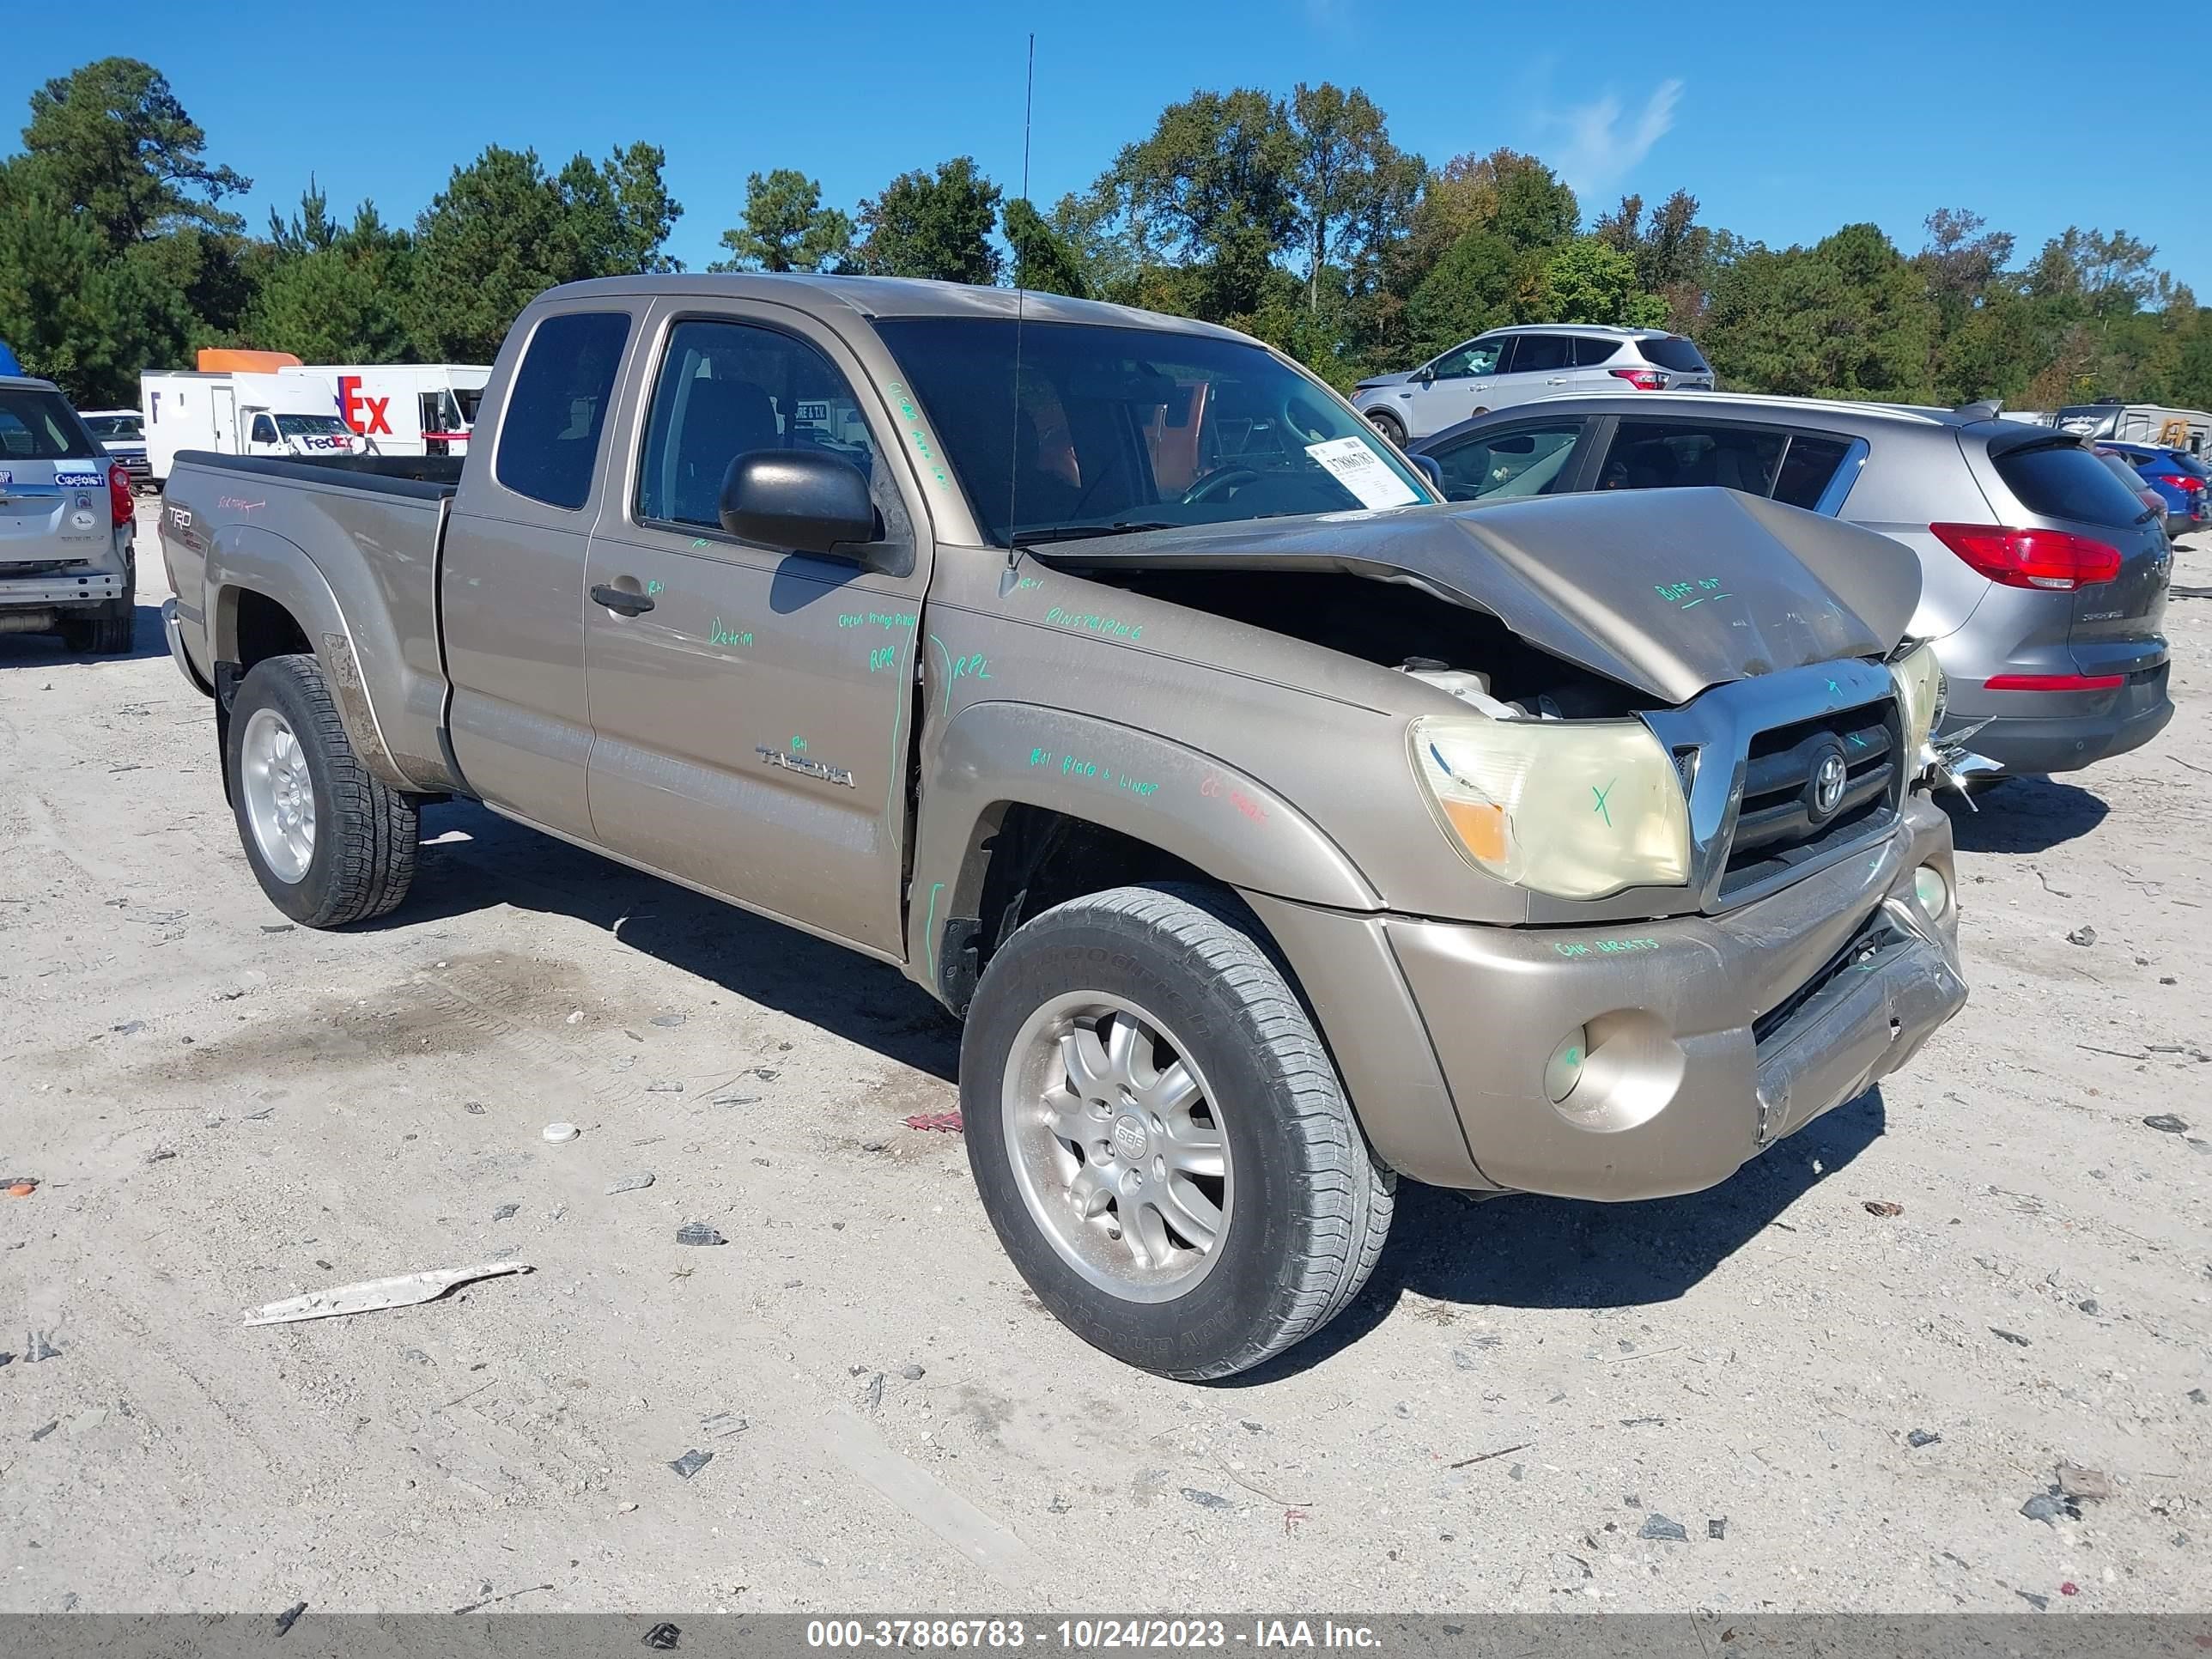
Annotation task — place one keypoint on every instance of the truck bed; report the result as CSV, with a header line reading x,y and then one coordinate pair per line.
x,y
423,476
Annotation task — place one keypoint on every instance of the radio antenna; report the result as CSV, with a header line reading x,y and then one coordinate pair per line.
x,y
1021,306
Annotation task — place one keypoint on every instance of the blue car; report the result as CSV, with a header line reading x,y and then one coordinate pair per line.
x,y
2182,483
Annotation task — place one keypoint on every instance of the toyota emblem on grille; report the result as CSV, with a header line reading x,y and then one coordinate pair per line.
x,y
1825,793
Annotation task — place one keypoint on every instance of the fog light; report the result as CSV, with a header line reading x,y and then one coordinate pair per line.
x,y
1564,1068
1932,890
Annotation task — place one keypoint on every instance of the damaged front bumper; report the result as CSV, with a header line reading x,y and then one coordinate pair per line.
x,y
1706,1038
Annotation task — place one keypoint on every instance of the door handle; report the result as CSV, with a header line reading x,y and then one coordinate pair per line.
x,y
1557,380
629,602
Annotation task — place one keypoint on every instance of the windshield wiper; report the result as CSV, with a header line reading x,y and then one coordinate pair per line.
x,y
1081,532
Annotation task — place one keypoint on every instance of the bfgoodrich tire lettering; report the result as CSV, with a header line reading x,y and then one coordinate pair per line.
x,y
1306,1205
358,858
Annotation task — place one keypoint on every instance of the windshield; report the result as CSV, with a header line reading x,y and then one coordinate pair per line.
x,y
311,426
1126,428
123,427
470,397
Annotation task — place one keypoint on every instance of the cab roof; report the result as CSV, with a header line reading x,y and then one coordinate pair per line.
x,y
876,297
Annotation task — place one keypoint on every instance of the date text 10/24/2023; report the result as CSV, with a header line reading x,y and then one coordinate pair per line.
x,y
1086,1635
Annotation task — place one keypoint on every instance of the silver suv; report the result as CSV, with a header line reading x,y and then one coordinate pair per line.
x,y
2043,577
66,519
1519,365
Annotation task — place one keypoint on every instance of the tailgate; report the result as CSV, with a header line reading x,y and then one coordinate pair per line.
x,y
52,511
2118,625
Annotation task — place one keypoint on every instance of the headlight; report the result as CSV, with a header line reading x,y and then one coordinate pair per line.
x,y
1576,809
1921,693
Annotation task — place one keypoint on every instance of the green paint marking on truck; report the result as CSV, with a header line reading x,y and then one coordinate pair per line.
x,y
946,707
651,588
1600,806
929,929
718,635
1095,624
918,435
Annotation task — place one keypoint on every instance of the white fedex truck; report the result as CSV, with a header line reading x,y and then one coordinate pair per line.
x,y
403,409
237,413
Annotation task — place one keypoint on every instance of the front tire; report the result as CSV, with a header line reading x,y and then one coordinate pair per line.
x,y
329,843
1388,425
1159,1137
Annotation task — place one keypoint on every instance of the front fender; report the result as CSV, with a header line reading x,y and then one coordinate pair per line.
x,y
1185,802
245,559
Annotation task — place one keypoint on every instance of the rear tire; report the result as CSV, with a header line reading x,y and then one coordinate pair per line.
x,y
111,633
1159,1137
1388,425
329,843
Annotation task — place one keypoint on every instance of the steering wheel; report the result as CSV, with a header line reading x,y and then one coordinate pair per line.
x,y
1228,478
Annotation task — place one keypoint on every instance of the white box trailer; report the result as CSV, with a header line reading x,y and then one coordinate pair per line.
x,y
2188,430
403,409
237,413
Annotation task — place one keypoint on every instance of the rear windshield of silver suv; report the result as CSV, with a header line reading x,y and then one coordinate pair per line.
x,y
40,426
1676,352
2065,481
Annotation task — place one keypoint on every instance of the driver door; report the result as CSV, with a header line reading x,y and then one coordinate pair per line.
x,y
1461,383
750,706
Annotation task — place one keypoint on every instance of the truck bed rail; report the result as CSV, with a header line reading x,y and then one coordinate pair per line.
x,y
431,477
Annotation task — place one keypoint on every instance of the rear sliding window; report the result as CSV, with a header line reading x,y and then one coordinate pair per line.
x,y
40,426
2065,481
549,440
1674,352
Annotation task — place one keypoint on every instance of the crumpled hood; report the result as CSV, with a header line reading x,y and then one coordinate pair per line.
x,y
1666,591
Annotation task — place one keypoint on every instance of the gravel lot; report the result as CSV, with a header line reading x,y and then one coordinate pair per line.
x,y
225,1110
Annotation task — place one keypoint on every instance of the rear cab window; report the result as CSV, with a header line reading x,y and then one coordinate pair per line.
x,y
549,437
37,425
2065,481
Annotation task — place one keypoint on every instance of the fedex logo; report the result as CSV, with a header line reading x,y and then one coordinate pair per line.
x,y
364,414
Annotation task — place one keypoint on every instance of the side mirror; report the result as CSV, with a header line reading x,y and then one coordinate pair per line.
x,y
800,499
1426,374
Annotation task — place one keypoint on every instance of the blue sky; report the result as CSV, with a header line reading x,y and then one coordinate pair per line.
x,y
1785,120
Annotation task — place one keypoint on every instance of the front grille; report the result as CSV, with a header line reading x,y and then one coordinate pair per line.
x,y
1776,829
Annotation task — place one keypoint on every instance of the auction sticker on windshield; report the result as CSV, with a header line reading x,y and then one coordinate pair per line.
x,y
1363,472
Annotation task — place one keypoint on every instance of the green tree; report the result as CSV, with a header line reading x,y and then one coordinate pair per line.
x,y
1042,260
1351,186
1471,289
1846,318
933,225
1590,281
334,292
1215,184
112,141
74,312
786,227
502,232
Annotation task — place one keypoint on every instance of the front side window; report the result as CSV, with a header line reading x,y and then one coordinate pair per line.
x,y
1526,460
1108,429
38,426
1475,358
549,443
264,429
1677,455
726,389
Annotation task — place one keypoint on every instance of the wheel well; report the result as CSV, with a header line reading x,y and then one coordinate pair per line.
x,y
266,629
1023,860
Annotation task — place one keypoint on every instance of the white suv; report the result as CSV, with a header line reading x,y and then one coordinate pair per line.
x,y
1521,364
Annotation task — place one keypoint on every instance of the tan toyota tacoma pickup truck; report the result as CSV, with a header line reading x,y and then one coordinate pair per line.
x,y
1277,828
